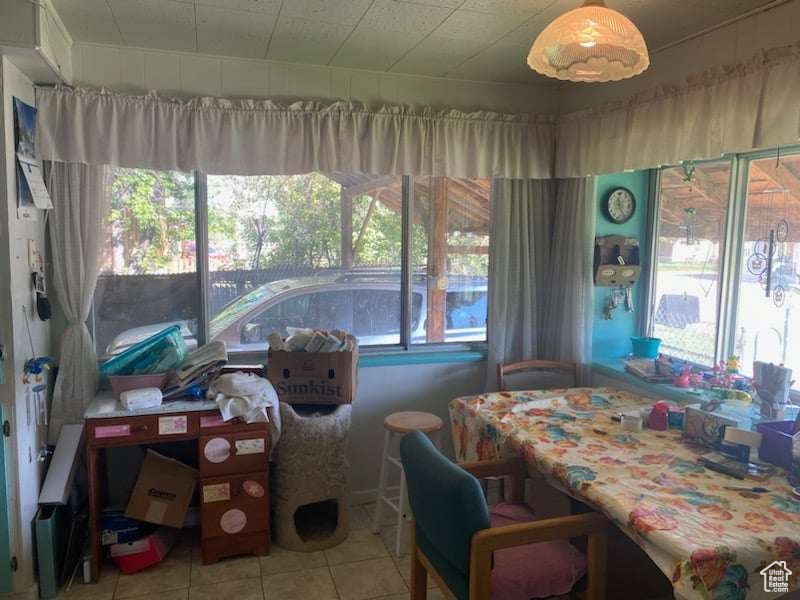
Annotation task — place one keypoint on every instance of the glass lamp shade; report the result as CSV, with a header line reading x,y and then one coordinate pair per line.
x,y
590,43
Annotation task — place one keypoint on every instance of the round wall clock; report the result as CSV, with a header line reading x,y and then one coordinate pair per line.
x,y
619,206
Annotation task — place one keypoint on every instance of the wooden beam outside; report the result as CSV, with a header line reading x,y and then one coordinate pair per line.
x,y
347,230
369,188
466,249
437,260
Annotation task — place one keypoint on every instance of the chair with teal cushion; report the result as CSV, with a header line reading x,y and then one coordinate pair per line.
x,y
474,553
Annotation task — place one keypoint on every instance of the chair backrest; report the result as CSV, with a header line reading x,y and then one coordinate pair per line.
x,y
534,365
448,506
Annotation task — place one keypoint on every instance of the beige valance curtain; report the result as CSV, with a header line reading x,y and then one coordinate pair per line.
x,y
755,104
262,137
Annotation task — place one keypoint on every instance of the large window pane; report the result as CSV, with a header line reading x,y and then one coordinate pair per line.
x,y
768,324
691,234
148,274
309,250
450,257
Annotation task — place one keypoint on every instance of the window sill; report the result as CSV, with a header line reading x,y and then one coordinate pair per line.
x,y
419,357
615,369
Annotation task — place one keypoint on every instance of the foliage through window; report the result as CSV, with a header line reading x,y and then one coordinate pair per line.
x,y
313,250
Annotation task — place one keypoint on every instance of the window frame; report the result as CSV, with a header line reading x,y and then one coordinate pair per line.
x,y
733,243
405,344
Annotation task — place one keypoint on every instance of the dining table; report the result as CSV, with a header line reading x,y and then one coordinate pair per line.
x,y
709,533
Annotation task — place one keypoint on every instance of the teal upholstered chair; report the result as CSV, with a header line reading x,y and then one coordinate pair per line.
x,y
474,552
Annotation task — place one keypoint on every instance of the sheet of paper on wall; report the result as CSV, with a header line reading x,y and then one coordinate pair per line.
x,y
33,176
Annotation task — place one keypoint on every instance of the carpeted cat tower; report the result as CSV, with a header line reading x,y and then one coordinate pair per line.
x,y
310,477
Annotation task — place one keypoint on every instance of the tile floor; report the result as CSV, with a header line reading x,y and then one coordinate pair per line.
x,y
364,567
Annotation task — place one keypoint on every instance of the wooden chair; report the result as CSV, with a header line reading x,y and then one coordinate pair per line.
x,y
469,558
533,365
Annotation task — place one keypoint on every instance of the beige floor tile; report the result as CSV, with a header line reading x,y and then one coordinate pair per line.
x,y
403,565
368,579
388,535
31,595
388,516
286,561
102,590
171,595
359,517
163,577
315,584
361,544
227,569
242,589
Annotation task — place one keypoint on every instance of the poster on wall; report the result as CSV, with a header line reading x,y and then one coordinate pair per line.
x,y
31,191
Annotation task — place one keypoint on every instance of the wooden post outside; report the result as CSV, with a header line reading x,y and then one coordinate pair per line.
x,y
437,260
347,229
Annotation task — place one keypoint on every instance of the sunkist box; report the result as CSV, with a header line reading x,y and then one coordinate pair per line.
x,y
313,377
162,492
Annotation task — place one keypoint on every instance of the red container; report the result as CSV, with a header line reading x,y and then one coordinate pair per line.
x,y
659,416
777,443
134,556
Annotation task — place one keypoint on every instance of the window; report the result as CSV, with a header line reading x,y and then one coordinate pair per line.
x,y
148,267
692,212
768,319
727,265
451,258
314,250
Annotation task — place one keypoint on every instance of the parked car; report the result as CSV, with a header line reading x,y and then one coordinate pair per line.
x,y
366,304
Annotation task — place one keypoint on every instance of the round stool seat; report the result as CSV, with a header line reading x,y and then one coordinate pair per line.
x,y
412,420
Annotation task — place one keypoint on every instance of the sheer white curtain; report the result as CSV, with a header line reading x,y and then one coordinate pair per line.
x,y
540,271
75,223
262,137
567,332
735,108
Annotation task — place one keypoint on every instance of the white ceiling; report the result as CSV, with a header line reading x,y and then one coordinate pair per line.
x,y
466,39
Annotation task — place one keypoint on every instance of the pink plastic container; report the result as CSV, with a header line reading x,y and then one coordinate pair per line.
x,y
123,383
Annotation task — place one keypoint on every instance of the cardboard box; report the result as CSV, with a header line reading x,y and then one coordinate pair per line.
x,y
707,428
134,556
314,377
162,492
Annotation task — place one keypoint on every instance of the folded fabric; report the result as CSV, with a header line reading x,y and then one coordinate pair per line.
x,y
250,397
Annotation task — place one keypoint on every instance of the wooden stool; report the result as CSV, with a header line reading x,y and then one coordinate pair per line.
x,y
400,423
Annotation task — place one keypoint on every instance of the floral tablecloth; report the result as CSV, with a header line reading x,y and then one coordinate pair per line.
x,y
711,542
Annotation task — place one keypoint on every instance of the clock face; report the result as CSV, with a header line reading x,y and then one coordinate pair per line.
x,y
620,205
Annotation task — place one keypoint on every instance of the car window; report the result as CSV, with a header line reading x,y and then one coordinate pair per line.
x,y
466,309
376,312
319,310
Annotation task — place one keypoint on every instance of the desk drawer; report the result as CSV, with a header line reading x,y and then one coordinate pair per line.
x,y
234,505
230,453
126,430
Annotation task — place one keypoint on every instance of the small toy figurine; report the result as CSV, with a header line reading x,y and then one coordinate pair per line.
x,y
733,365
682,380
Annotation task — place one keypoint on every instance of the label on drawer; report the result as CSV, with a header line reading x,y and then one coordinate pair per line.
x,y
217,450
253,489
254,446
218,492
111,431
173,425
212,421
233,521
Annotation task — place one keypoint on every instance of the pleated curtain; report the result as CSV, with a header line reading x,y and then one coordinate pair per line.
x,y
79,194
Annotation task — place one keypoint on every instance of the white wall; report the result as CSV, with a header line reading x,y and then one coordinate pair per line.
x,y
189,74
384,390
725,46
24,471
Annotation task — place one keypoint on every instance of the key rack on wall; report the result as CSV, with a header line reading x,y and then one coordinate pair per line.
x,y
616,260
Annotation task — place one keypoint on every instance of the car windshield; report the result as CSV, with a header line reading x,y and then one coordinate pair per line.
x,y
231,312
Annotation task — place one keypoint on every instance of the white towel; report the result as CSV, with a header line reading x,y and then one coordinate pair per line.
x,y
248,396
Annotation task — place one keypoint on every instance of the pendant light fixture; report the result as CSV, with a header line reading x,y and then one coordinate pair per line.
x,y
590,43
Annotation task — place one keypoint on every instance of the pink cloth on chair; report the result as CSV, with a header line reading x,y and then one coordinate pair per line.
x,y
536,570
